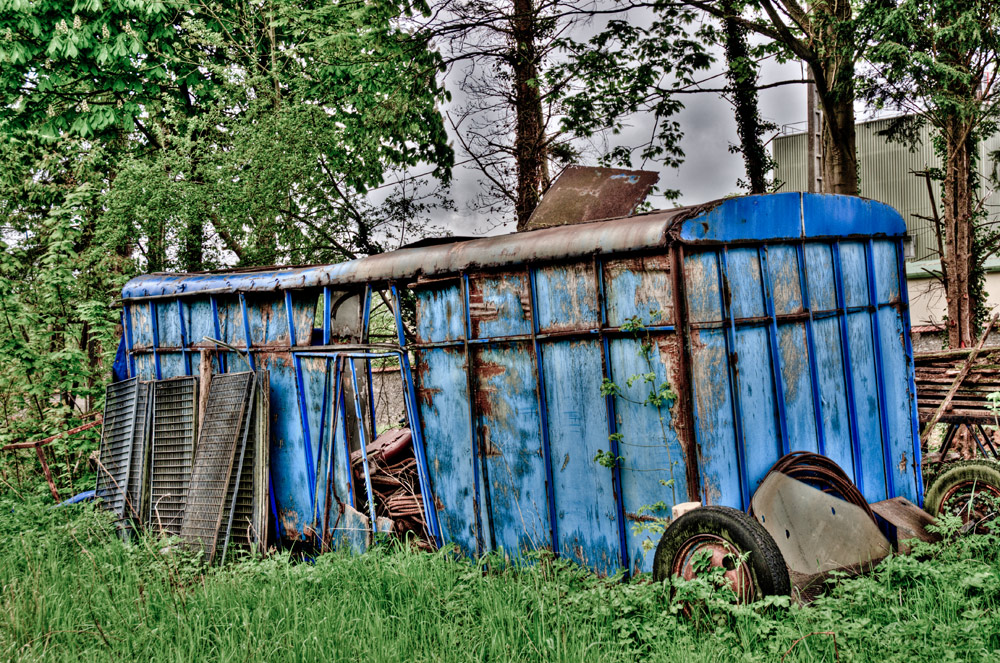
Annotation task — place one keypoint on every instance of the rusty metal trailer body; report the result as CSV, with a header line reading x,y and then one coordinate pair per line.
x,y
779,322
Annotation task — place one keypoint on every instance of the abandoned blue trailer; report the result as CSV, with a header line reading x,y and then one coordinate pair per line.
x,y
569,385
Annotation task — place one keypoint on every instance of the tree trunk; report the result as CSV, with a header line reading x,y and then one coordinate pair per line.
x,y
529,155
834,73
742,75
957,200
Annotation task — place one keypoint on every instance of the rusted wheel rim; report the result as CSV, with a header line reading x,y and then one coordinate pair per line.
x,y
721,554
982,511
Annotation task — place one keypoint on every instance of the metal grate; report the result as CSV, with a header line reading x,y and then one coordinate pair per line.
x,y
114,457
213,465
236,518
139,464
174,421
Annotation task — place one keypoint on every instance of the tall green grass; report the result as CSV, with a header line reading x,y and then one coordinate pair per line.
x,y
71,591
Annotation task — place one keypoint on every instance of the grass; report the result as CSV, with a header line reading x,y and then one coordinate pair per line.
x,y
71,591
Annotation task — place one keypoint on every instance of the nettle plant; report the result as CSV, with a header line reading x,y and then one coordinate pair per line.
x,y
652,393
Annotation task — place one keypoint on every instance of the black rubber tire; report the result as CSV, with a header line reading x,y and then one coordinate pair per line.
x,y
985,472
767,566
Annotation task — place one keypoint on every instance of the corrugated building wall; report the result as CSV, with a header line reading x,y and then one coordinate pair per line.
x,y
887,176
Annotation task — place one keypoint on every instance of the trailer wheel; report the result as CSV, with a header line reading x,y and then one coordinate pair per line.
x,y
968,489
724,534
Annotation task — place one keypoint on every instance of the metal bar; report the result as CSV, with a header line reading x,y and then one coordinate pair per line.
x,y
543,412
609,406
420,451
470,386
904,310
300,390
811,349
218,333
845,351
246,332
890,480
986,439
975,437
127,318
156,339
691,422
734,376
185,352
239,468
327,300
366,322
364,447
776,374
949,437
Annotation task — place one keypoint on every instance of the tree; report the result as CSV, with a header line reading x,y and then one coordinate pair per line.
x,y
826,36
937,60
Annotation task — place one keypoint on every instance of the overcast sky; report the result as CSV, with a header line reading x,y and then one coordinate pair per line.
x,y
709,171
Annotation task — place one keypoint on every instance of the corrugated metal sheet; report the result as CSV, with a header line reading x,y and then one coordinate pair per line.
x,y
174,424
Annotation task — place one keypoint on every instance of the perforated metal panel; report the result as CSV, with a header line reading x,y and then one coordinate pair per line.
x,y
213,467
116,446
175,404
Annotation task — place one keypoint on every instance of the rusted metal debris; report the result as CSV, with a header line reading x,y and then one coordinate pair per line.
x,y
582,194
953,388
395,484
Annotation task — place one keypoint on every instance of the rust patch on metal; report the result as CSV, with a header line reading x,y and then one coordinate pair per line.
x,y
486,446
581,194
902,463
792,347
289,522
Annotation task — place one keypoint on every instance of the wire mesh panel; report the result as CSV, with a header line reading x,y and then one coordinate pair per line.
x,y
116,446
138,484
175,405
228,400
235,524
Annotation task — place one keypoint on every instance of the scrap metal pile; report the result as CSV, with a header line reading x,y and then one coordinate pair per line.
x,y
395,485
188,462
954,387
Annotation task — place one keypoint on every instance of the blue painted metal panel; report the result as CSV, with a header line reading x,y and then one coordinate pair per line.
x,y
796,381
748,218
836,411
701,274
639,289
444,413
783,268
653,469
507,421
899,407
886,271
714,429
499,305
585,501
859,334
567,297
854,267
840,216
440,313
745,289
762,440
818,258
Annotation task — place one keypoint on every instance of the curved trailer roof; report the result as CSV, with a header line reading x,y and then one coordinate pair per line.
x,y
781,216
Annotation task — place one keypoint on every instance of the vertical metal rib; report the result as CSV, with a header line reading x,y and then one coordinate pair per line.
x,y
175,408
